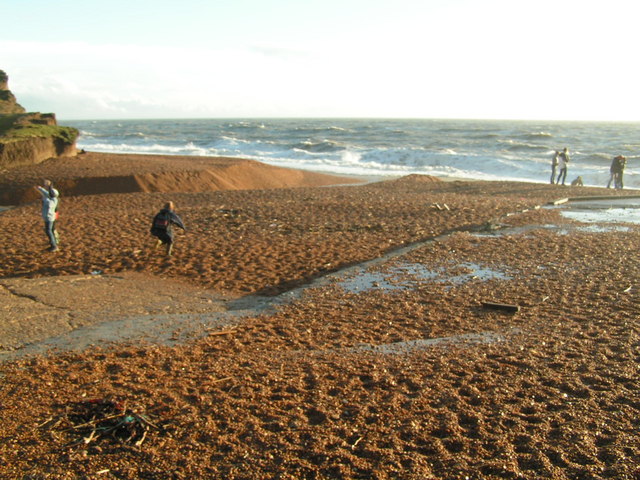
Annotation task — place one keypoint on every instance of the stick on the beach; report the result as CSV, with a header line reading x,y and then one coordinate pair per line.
x,y
501,306
223,332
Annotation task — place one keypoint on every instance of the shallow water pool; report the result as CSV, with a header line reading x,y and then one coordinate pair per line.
x,y
407,275
615,210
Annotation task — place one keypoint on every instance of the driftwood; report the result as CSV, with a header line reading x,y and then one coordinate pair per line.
x,y
97,419
501,306
223,332
444,206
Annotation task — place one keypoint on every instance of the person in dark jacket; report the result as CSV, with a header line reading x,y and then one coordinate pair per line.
x,y
617,171
161,226
554,166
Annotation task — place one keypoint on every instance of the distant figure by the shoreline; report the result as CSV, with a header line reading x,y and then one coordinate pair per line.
x,y
617,171
554,166
161,226
563,162
577,182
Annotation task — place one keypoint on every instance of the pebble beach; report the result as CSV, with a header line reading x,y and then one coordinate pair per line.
x,y
320,327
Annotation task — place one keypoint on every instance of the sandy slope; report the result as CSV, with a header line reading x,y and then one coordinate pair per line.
x,y
96,173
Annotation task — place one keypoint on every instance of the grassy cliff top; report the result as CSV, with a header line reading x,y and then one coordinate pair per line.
x,y
12,130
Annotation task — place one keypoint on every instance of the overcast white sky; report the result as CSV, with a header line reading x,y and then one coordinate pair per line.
x,y
525,59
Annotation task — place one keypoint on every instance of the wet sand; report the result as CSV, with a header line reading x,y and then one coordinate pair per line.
x,y
315,388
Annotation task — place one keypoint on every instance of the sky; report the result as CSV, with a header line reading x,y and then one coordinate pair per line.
x,y
493,59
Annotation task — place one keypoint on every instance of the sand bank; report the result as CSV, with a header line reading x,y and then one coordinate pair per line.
x,y
97,173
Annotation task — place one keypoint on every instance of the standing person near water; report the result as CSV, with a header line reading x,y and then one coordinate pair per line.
x,y
49,206
617,170
554,165
161,226
563,161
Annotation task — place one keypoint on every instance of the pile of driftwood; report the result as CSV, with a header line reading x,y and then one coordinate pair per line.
x,y
102,419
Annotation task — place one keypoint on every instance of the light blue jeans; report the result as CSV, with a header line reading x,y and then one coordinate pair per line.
x,y
48,229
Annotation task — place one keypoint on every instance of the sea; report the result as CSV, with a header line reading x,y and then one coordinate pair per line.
x,y
464,149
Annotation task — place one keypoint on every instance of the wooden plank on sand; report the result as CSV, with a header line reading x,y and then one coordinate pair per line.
x,y
501,306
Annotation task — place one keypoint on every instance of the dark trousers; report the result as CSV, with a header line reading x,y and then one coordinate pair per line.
x,y
164,236
562,175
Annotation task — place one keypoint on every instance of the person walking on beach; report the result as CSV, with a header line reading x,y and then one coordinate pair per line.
x,y
161,226
554,165
50,198
617,170
563,161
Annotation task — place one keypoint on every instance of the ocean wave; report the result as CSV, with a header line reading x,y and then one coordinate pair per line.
x,y
246,125
188,149
318,131
96,134
597,158
514,146
485,136
536,135
325,146
133,135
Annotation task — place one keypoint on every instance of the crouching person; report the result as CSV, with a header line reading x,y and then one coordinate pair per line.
x,y
161,226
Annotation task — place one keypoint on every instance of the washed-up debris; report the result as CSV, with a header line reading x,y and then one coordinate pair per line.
x,y
444,206
229,212
102,419
501,306
223,332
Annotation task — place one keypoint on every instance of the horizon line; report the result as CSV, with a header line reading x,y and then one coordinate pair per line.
x,y
476,119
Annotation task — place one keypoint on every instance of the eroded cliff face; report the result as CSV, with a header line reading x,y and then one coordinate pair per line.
x,y
33,150
30,138
8,102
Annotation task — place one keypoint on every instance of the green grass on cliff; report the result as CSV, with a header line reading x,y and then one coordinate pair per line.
x,y
9,132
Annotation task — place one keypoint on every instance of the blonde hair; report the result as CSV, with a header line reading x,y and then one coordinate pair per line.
x,y
168,205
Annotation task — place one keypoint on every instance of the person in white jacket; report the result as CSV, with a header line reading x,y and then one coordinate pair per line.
x,y
50,198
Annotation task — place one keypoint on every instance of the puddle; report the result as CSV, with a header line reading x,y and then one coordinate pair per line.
x,y
610,215
616,210
409,275
603,228
558,229
399,348
601,215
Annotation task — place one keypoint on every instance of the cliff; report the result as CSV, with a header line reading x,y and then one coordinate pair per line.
x,y
30,138
8,103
